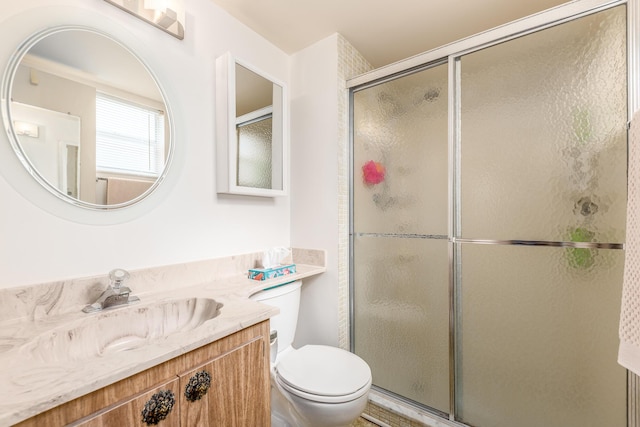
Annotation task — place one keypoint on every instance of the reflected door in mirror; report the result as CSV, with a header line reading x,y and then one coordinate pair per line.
x,y
255,136
52,142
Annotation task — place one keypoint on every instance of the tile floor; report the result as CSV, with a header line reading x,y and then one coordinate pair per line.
x,y
361,422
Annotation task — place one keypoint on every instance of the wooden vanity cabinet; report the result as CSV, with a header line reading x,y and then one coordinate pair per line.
x,y
232,398
128,412
236,395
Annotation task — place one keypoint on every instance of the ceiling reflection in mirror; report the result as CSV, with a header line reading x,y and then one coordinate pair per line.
x,y
87,118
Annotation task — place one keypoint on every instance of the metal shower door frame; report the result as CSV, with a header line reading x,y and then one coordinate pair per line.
x,y
452,54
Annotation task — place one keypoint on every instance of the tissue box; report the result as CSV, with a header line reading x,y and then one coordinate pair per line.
x,y
271,273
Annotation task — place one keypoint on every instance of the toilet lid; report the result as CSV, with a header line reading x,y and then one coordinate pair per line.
x,y
324,370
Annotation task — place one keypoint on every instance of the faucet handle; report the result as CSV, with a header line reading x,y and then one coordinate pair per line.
x,y
117,277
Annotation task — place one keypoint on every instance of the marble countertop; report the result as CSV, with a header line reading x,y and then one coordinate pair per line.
x,y
32,382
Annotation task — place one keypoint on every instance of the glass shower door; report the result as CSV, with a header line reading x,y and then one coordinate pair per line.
x,y
400,214
542,164
486,285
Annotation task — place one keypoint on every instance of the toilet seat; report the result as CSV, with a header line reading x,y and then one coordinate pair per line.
x,y
324,399
324,374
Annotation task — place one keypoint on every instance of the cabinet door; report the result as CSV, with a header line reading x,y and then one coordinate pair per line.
x,y
238,394
158,406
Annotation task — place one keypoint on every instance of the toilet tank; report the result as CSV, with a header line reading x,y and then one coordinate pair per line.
x,y
287,299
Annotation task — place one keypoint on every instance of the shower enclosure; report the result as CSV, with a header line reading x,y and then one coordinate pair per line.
x,y
488,212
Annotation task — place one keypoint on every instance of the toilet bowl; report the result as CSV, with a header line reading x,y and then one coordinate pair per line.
x,y
315,385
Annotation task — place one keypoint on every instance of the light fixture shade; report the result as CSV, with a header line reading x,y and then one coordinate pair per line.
x,y
165,17
168,15
159,4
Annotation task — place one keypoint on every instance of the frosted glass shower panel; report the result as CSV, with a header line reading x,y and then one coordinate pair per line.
x,y
538,338
400,155
543,134
401,316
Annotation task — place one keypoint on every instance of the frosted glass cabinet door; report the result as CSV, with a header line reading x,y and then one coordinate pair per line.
x,y
543,134
400,155
401,316
538,339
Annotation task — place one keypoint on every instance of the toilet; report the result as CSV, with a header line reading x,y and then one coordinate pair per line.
x,y
315,385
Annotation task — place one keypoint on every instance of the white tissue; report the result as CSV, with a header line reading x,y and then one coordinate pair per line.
x,y
273,257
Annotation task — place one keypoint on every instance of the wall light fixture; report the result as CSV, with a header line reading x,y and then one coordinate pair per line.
x,y
26,129
167,15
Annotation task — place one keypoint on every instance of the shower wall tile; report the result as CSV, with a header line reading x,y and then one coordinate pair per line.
x,y
393,413
350,63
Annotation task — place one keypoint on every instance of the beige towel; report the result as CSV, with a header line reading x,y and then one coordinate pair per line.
x,y
629,350
120,190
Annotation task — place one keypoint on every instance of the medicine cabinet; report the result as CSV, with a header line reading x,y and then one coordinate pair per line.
x,y
252,149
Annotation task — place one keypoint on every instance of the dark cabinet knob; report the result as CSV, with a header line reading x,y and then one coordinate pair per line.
x,y
197,386
158,407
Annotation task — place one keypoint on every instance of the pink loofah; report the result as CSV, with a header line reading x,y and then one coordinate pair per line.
x,y
373,172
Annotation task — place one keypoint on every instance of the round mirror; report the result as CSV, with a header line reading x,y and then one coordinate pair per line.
x,y
87,118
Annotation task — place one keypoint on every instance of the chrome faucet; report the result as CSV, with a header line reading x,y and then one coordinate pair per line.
x,y
115,295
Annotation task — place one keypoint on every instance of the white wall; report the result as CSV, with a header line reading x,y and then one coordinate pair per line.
x,y
44,239
314,184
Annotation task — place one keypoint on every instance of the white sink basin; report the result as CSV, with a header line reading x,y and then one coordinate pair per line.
x,y
121,329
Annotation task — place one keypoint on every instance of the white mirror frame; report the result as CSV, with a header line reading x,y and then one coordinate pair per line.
x,y
226,138
5,107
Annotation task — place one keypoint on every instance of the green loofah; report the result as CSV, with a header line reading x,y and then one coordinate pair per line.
x,y
581,257
582,125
